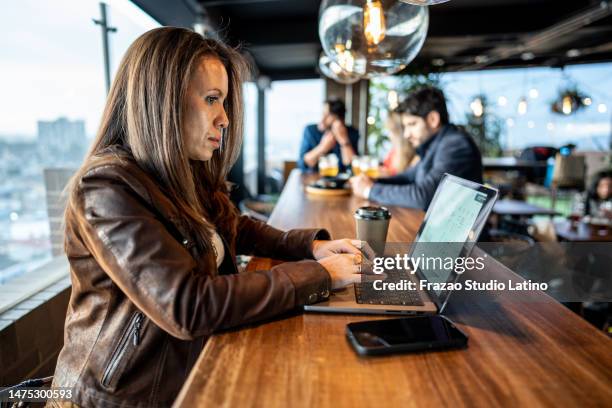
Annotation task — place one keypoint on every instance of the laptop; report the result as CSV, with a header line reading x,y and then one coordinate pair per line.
x,y
452,225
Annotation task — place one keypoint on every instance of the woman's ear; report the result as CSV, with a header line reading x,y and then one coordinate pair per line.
x,y
433,120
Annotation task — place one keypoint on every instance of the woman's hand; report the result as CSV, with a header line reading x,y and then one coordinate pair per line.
x,y
344,269
323,249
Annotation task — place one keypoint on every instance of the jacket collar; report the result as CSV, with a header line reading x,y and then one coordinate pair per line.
x,y
425,147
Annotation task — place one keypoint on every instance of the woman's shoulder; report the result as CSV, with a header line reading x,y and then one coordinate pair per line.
x,y
116,169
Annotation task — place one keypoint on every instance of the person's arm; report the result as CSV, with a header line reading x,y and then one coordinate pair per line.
x,y
453,157
406,177
325,145
258,238
307,144
162,279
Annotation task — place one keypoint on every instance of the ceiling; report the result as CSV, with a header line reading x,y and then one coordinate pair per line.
x,y
282,36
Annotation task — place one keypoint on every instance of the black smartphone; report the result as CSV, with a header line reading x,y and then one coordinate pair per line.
x,y
419,333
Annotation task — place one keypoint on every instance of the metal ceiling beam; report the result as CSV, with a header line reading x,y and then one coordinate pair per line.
x,y
176,13
531,42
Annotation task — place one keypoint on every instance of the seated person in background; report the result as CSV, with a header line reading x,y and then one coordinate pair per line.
x,y
443,148
402,155
599,197
329,136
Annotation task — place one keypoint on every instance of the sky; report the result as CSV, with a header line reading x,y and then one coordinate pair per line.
x,y
51,66
51,62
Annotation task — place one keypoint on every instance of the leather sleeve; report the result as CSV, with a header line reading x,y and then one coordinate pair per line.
x,y
258,238
160,276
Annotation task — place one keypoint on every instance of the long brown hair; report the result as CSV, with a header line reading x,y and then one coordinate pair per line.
x,y
403,151
144,115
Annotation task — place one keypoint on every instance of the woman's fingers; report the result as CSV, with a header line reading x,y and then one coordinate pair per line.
x,y
364,247
347,246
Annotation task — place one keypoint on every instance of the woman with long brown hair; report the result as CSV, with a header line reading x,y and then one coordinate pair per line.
x,y
151,235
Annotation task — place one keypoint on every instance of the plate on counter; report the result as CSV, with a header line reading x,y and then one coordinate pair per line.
x,y
330,186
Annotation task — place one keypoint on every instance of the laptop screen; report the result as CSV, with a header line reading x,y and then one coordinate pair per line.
x,y
454,218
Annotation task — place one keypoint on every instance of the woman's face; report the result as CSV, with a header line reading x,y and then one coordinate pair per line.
x,y
604,188
205,116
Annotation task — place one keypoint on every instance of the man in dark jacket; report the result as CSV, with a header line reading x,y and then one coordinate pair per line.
x,y
443,148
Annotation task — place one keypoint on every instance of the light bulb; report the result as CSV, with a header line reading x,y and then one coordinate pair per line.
x,y
587,101
522,106
373,22
477,107
393,99
346,60
566,105
602,108
533,93
383,36
502,101
333,70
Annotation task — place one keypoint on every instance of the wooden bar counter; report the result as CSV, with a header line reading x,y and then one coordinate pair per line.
x,y
524,350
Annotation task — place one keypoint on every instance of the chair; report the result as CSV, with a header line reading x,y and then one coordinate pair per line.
x,y
569,174
288,166
260,208
538,154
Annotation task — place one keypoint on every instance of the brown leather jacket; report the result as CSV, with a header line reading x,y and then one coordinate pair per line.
x,y
143,302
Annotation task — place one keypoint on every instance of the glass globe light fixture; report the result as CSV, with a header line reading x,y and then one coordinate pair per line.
x,y
372,37
424,2
332,70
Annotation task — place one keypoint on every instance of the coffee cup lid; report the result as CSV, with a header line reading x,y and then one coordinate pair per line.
x,y
372,213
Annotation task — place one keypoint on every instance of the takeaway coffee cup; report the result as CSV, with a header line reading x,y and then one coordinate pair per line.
x,y
372,226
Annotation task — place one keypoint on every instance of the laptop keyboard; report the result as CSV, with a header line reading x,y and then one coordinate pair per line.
x,y
366,294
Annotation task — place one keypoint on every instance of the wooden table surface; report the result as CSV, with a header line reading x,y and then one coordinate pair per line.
x,y
582,232
524,350
520,209
510,163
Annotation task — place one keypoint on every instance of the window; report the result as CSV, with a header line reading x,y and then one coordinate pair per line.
x,y
589,128
249,139
53,94
290,106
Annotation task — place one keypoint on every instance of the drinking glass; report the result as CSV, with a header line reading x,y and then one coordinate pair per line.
x,y
328,166
372,170
356,165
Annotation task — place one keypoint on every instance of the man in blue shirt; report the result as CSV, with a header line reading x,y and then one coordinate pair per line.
x,y
442,147
329,136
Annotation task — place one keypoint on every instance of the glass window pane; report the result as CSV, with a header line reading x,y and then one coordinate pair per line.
x,y
53,95
249,141
290,106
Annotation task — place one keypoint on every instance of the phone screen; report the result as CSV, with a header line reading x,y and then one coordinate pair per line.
x,y
425,330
